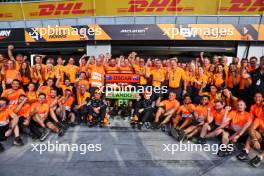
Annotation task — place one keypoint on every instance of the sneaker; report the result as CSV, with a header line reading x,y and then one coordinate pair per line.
x,y
18,141
72,124
90,124
201,140
1,148
155,125
174,133
163,128
182,136
44,135
243,156
101,124
147,125
61,132
255,162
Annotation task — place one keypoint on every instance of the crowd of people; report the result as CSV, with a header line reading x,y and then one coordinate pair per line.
x,y
206,97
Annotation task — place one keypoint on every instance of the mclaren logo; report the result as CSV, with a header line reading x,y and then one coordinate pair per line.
x,y
4,34
133,31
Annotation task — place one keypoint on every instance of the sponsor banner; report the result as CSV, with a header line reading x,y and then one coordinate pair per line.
x,y
123,95
254,32
121,78
12,35
83,8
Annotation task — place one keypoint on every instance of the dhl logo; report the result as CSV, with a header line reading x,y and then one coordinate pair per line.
x,y
74,8
244,6
155,6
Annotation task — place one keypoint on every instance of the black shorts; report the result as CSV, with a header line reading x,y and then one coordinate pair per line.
x,y
195,122
242,139
213,126
3,129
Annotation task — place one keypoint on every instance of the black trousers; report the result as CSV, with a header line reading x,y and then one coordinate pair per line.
x,y
81,114
35,128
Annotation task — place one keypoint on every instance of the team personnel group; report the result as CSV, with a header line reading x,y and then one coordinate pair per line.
x,y
206,97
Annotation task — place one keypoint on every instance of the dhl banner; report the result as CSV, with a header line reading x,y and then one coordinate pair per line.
x,y
83,8
228,32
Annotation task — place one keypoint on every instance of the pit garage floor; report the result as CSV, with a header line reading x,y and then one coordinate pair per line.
x,y
125,151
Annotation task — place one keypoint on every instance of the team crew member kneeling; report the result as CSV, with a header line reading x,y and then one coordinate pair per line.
x,y
40,124
96,110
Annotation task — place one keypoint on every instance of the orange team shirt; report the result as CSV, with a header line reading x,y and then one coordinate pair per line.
x,y
218,80
83,82
238,120
71,71
202,79
189,78
175,77
82,68
25,80
170,104
67,103
24,111
40,109
259,123
32,97
142,71
97,76
5,115
12,95
232,103
127,69
81,98
242,82
230,80
91,67
218,116
110,70
185,111
17,66
50,100
59,70
201,112
10,75
45,90
256,111
158,75
50,74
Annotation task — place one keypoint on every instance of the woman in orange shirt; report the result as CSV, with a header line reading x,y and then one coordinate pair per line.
x,y
49,72
233,79
11,73
31,93
25,73
37,75
210,74
220,76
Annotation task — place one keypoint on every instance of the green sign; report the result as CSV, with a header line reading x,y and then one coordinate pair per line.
x,y
126,95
